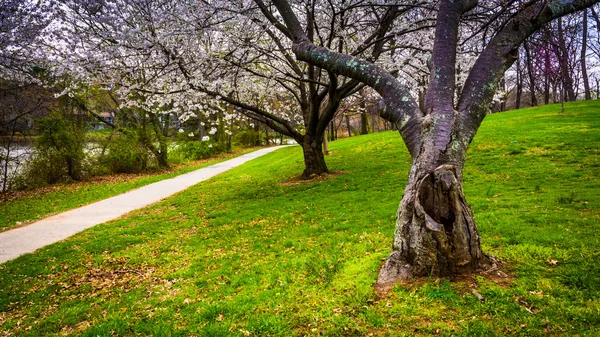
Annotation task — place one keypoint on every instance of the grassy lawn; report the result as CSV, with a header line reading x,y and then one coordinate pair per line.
x,y
255,253
24,207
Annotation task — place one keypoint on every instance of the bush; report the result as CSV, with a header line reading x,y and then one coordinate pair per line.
x,y
247,138
124,154
58,153
194,150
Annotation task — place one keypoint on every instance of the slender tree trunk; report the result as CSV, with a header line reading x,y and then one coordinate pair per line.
x,y
5,167
332,130
364,121
584,75
562,97
531,74
257,142
546,75
503,87
161,153
348,126
7,158
519,84
314,159
567,79
267,138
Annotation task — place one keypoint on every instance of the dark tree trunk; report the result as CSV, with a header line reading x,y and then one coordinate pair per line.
x,y
257,142
161,152
314,159
348,126
7,157
531,74
546,75
519,84
364,121
200,129
332,130
546,90
267,138
503,87
567,78
584,75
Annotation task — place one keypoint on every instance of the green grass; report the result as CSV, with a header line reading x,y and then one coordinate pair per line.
x,y
247,254
33,205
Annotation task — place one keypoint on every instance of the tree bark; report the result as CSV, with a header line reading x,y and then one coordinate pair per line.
x,y
567,79
348,126
529,60
332,130
546,75
161,153
364,122
519,84
314,159
584,75
435,229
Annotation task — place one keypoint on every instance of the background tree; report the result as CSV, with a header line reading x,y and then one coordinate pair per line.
x,y
226,52
21,96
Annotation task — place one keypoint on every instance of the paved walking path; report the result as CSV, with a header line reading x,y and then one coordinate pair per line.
x,y
27,239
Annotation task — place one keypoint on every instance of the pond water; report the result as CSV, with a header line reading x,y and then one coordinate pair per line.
x,y
13,162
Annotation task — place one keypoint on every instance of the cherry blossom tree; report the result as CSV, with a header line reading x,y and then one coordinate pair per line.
x,y
21,61
436,232
196,58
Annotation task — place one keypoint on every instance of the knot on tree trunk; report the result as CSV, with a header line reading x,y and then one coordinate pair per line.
x,y
436,233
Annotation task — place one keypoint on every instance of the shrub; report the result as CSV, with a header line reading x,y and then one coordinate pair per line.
x,y
247,138
58,153
195,150
124,154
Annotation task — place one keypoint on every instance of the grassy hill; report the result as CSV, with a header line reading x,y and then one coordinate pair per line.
x,y
255,252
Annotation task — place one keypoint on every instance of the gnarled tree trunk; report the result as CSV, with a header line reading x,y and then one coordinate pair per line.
x,y
435,229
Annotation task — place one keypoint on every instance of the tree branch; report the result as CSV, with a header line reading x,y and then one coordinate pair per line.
x,y
401,108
